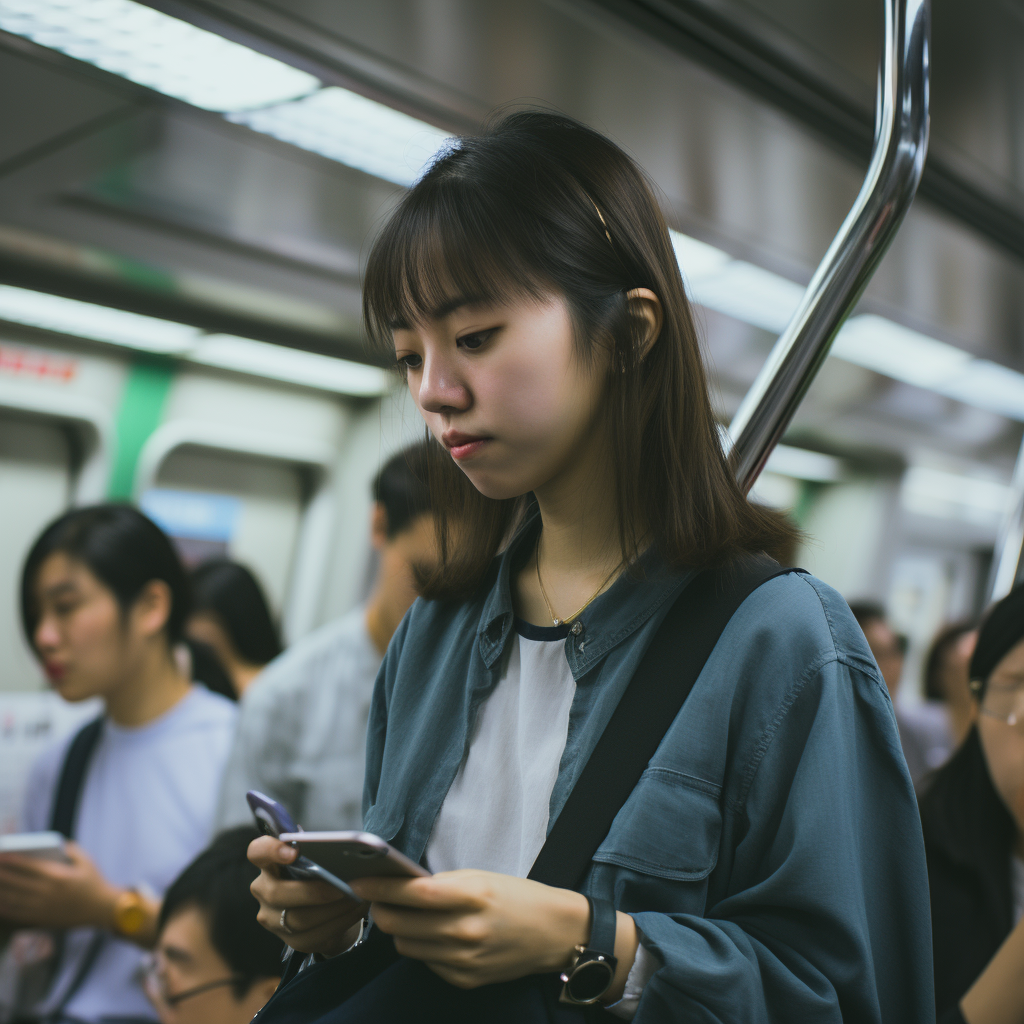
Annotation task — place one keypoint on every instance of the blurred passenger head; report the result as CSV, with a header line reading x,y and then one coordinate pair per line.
x,y
947,665
888,646
213,962
230,614
103,597
540,212
997,682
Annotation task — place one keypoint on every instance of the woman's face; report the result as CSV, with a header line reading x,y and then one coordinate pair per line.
x,y
500,386
81,637
1002,741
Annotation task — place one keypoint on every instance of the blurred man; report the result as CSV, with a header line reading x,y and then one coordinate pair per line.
x,y
213,961
924,733
302,725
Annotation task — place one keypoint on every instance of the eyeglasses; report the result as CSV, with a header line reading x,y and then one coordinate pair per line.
x,y
154,982
1004,703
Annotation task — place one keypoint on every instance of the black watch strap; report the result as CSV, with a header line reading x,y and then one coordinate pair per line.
x,y
602,927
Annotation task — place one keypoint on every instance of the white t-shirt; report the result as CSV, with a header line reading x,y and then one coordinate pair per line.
x,y
146,810
495,816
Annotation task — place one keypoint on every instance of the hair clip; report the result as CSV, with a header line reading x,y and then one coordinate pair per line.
x,y
604,223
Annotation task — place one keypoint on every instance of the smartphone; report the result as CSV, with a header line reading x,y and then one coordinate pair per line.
x,y
273,819
352,855
42,845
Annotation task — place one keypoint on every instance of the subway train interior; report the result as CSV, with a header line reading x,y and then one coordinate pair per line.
x,y
189,190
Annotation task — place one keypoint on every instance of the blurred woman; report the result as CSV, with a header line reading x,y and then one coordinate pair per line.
x,y
230,613
104,599
947,676
973,817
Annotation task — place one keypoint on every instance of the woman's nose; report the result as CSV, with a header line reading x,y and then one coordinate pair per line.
x,y
441,386
46,636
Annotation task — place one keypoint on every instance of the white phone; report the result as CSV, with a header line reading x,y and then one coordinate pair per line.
x,y
351,855
42,845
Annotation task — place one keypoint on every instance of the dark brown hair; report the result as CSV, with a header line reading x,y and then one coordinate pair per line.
x,y
537,203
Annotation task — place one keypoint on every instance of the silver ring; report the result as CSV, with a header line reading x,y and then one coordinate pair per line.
x,y
284,924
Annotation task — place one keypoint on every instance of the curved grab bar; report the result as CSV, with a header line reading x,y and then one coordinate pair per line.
x,y
901,142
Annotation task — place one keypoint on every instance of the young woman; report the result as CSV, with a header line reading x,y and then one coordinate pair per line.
x,y
973,817
769,864
104,599
231,616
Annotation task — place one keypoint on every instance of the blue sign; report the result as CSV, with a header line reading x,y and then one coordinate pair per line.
x,y
192,514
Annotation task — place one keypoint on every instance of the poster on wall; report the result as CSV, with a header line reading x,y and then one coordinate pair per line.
x,y
200,524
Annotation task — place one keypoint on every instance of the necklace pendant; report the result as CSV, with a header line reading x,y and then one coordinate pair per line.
x,y
557,622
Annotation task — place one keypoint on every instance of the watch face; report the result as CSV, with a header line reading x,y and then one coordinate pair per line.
x,y
590,980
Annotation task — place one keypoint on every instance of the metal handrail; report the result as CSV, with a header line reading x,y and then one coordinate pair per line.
x,y
901,142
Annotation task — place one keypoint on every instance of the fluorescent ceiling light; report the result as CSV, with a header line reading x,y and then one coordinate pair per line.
x,y
353,130
759,297
734,287
928,491
87,320
803,464
158,51
151,334
305,368
209,71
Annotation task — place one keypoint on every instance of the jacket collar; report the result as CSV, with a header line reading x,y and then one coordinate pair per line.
x,y
622,609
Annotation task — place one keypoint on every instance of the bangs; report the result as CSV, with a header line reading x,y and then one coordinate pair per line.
x,y
448,245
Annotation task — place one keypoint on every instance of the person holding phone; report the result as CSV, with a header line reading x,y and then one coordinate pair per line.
x,y
104,599
768,864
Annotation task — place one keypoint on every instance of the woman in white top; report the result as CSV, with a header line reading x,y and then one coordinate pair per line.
x,y
104,597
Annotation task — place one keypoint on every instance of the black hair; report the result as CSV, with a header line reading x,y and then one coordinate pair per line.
x,y
867,611
122,548
1001,630
208,670
401,487
217,884
945,640
233,594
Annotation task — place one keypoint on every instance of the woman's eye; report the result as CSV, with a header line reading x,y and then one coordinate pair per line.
x,y
474,341
410,362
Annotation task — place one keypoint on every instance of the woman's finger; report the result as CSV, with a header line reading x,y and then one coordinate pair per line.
x,y
268,852
287,892
439,892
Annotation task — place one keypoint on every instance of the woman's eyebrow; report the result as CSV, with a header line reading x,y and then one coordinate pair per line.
x,y
444,309
61,589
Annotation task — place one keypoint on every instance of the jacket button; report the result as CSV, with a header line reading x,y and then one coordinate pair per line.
x,y
577,628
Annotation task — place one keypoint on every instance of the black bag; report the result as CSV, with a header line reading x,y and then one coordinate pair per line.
x,y
33,982
373,985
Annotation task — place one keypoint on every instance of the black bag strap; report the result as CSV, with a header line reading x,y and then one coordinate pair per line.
x,y
72,777
662,682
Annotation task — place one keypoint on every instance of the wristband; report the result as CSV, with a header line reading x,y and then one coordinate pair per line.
x,y
592,971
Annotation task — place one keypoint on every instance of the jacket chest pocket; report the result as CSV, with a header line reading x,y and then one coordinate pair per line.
x,y
662,846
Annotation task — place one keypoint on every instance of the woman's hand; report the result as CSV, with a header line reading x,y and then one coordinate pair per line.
x,y
477,927
320,919
52,894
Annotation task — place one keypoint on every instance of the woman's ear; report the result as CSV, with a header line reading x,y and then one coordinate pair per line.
x,y
152,608
646,307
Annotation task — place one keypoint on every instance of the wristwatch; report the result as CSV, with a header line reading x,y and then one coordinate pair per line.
x,y
130,913
593,969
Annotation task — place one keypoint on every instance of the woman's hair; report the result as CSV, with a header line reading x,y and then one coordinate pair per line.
x,y
1001,630
537,203
122,548
232,594
935,662
217,884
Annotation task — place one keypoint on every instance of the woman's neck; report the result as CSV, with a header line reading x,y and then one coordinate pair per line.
x,y
579,551
150,689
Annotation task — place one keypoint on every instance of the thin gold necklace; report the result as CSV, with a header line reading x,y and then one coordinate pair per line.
x,y
571,618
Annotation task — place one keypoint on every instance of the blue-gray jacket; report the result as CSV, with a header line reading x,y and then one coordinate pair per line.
x,y
771,854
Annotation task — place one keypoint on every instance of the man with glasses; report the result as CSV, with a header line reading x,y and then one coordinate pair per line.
x,y
212,961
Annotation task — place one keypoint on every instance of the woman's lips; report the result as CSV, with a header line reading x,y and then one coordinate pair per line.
x,y
54,671
463,446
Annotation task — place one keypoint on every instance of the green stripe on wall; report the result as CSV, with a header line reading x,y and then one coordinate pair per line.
x,y
142,406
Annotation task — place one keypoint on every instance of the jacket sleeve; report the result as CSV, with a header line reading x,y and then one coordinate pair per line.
x,y
817,909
